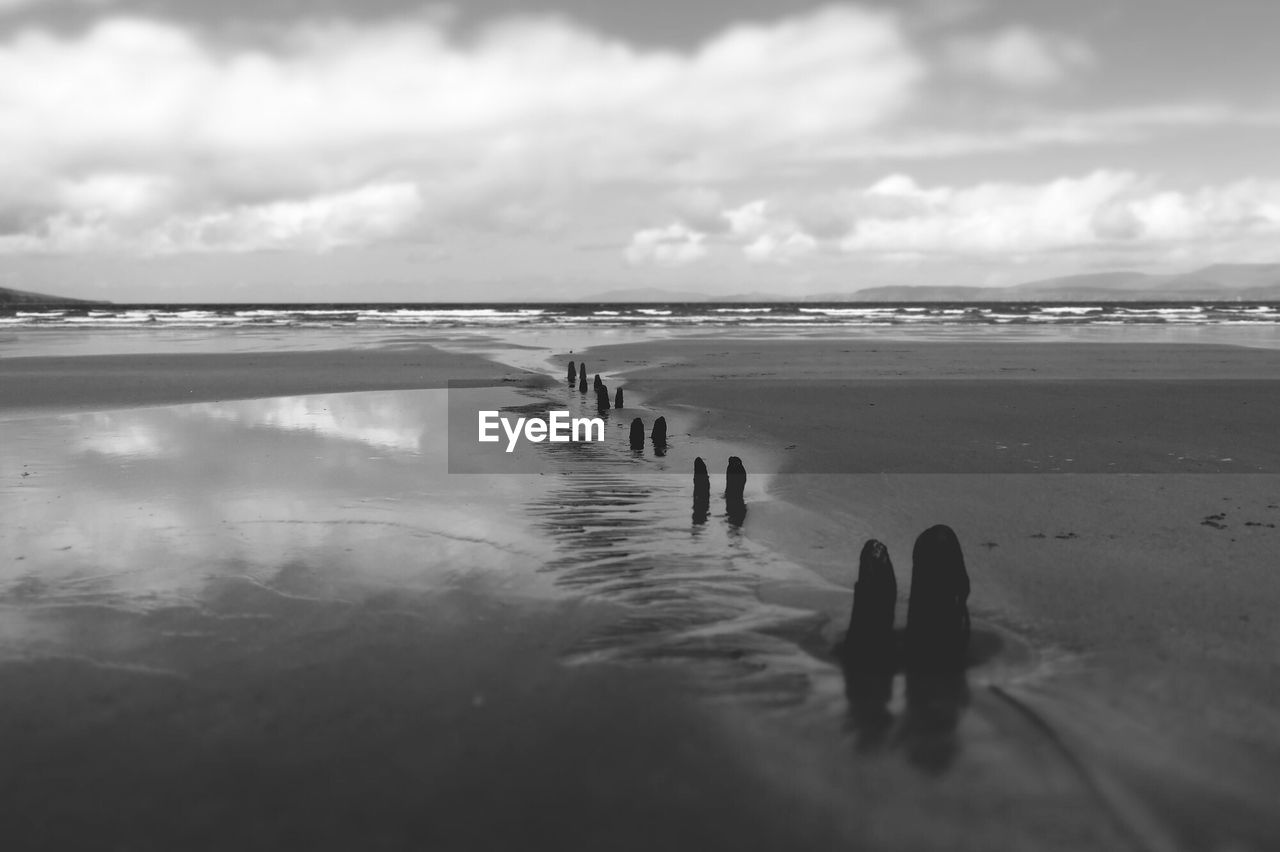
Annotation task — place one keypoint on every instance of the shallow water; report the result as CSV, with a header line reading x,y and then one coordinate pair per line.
x,y
343,497
268,585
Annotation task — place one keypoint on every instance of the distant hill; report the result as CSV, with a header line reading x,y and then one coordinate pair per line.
x,y
22,297
648,294
1221,282
1225,282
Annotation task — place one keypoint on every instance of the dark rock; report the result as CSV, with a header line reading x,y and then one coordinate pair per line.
x,y
870,641
582,379
573,374
701,492
660,432
597,384
617,399
735,484
637,434
937,635
735,478
602,398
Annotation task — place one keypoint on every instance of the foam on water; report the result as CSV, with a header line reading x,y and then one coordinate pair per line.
x,y
768,315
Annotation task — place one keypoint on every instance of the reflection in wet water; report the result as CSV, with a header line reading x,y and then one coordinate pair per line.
x,y
137,537
919,711
382,421
122,526
869,692
146,506
927,728
935,702
345,497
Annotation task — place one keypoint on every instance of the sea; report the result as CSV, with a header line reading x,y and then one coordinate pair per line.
x,y
778,315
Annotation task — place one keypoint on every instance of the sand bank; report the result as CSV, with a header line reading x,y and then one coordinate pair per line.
x,y
1144,583
34,385
726,356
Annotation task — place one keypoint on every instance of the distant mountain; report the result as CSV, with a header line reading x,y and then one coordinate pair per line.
x,y
1092,282
741,298
1224,282
22,297
1221,282
1243,275
647,294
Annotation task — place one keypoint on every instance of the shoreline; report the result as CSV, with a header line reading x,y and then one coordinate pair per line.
x,y
1122,607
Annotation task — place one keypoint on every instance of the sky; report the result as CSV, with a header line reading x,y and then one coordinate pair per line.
x,y
282,150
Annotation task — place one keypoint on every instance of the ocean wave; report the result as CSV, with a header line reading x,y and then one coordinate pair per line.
x,y
779,315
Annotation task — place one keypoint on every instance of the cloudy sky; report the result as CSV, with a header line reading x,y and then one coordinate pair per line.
x,y
180,150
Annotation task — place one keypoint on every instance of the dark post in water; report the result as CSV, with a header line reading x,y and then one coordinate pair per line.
x,y
573,374
701,491
870,654
937,635
870,641
735,484
637,434
582,379
617,399
660,432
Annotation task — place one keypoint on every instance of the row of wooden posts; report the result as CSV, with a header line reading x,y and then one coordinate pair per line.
x,y
602,390
735,474
937,631
659,434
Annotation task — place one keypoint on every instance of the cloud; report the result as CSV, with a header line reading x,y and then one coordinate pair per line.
x,y
768,237
320,223
762,234
1023,128
670,246
1103,213
207,133
780,247
946,13
1103,209
701,208
10,6
749,220
1019,57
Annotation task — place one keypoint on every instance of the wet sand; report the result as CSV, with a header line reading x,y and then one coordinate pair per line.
x,y
1119,512
34,385
279,622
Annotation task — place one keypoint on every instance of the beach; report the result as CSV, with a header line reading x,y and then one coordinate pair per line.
x,y
245,603
599,427
1121,507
